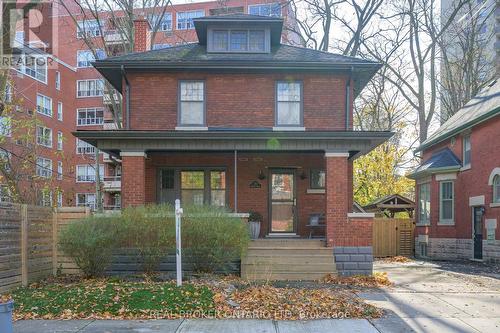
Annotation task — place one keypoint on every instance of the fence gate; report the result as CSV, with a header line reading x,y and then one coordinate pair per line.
x,y
393,237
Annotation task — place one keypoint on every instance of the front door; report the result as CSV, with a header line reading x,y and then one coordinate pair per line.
x,y
477,217
282,201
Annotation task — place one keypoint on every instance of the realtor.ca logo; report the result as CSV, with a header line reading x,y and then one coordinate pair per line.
x,y
27,33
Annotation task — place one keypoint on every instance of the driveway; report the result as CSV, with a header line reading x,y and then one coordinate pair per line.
x,y
438,297
427,297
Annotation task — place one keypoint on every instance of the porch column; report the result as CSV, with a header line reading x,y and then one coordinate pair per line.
x,y
350,234
133,178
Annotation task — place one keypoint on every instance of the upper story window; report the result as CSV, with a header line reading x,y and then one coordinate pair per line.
x,y
268,9
84,58
446,202
238,40
59,170
89,116
44,136
89,28
8,93
35,67
58,80
160,46
496,189
59,111
60,139
44,167
192,103
86,173
83,147
5,126
44,105
466,151
90,88
288,104
86,200
424,204
164,23
185,19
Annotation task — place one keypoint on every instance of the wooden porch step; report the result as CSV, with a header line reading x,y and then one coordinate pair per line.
x,y
293,243
288,260
303,267
285,276
286,251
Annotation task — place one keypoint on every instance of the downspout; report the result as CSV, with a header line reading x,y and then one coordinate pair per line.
x,y
127,97
348,100
236,181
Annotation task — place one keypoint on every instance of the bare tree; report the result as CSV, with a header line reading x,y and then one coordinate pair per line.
x,y
467,62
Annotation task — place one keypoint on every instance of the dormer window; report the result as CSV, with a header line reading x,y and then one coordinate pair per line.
x,y
238,40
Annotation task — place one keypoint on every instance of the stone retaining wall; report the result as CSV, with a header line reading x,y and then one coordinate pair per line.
x,y
353,260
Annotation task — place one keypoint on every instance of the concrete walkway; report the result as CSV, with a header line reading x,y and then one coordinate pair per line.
x,y
427,297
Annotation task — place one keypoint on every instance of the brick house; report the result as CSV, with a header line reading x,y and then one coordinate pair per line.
x,y
241,120
458,184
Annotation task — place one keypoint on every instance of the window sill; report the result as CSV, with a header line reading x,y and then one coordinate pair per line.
x,y
426,224
465,168
315,191
495,204
446,223
191,128
288,128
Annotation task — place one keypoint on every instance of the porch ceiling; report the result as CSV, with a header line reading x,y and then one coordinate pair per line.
x,y
355,142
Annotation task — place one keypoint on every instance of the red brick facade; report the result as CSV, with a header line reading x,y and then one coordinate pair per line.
x,y
133,180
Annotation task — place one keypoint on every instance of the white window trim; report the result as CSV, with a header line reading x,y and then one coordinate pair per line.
x,y
51,139
84,147
51,105
466,166
267,4
60,140
426,222
85,204
22,70
187,11
60,111
87,80
166,14
58,80
6,126
60,170
87,166
86,110
47,169
452,220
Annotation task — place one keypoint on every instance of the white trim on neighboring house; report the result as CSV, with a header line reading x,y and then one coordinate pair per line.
x,y
424,180
476,201
361,215
133,154
289,128
446,176
332,154
315,191
191,128
494,172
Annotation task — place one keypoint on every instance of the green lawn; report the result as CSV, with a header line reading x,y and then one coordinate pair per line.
x,y
90,298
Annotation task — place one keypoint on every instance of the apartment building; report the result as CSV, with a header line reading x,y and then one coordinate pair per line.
x,y
69,93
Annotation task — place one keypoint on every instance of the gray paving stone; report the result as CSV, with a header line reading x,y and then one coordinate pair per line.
x,y
226,326
326,325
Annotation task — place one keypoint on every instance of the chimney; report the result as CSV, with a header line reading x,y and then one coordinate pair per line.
x,y
142,35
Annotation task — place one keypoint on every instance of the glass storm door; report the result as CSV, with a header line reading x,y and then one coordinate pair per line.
x,y
282,201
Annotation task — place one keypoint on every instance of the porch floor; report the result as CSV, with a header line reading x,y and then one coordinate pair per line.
x,y
287,259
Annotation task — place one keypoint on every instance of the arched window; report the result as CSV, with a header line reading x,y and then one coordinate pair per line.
x,y
496,188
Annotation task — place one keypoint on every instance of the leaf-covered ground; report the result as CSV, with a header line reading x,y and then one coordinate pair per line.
x,y
213,297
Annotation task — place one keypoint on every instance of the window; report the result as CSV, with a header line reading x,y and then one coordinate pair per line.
x,y
86,200
5,159
89,116
59,199
288,104
165,24
43,167
90,88
5,126
84,58
44,136
60,141
45,198
160,46
89,28
185,19
192,104
44,105
496,189
424,206
269,9
83,147
59,170
19,39
446,202
238,40
466,150
58,80
201,187
35,67
4,194
8,93
318,179
86,173
59,111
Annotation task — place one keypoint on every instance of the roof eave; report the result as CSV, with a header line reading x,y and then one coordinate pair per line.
x,y
432,171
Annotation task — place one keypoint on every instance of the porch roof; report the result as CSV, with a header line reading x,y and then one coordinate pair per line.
x,y
354,142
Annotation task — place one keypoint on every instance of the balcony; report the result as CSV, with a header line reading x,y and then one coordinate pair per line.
x,y
109,126
112,184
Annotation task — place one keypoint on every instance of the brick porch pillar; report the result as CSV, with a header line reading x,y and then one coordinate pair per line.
x,y
350,234
133,178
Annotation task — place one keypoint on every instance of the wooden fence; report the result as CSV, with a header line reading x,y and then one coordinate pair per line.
x,y
28,242
393,237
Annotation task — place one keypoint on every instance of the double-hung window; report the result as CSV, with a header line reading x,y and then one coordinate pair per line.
x,y
268,9
36,67
496,189
86,57
8,93
318,179
43,167
58,80
89,28
59,170
185,19
5,195
424,203
45,198
164,23
446,202
86,200
89,116
192,103
466,151
83,147
59,199
44,136
289,104
44,105
59,111
86,173
5,127
90,88
60,139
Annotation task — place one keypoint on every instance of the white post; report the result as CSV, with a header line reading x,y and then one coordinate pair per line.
x,y
178,258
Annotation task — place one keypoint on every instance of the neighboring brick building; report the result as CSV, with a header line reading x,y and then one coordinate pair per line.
x,y
85,104
458,184
243,121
